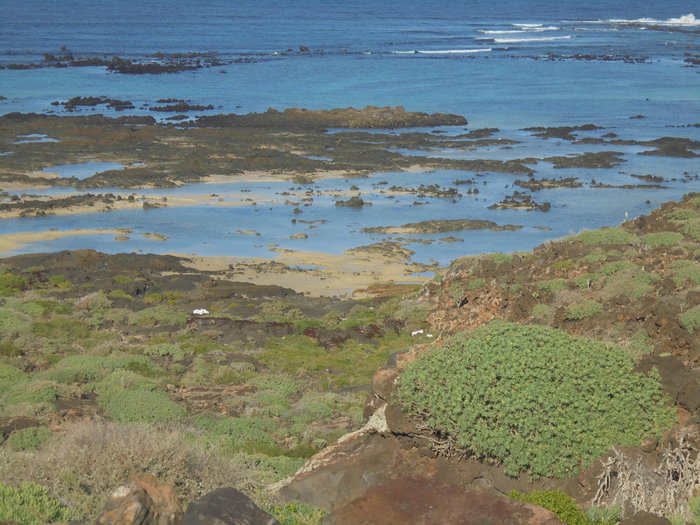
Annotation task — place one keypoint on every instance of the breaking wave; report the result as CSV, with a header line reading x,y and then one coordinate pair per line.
x,y
688,20
443,51
533,39
520,31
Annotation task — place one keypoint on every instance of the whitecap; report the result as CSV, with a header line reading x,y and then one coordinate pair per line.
x,y
443,51
518,31
688,20
534,39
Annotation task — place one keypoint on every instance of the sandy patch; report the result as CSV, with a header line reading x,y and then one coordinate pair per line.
x,y
14,241
314,273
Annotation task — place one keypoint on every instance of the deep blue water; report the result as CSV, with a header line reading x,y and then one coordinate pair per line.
x,y
487,60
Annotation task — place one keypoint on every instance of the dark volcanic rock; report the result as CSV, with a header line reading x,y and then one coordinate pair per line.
x,y
601,159
226,507
563,132
368,117
679,382
76,102
521,201
416,500
673,147
353,202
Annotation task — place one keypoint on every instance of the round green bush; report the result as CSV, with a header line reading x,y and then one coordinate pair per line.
x,y
141,406
583,310
28,438
10,376
30,504
533,398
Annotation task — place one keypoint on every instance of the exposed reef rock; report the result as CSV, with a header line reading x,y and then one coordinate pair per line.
x,y
602,159
369,117
166,155
441,226
521,201
542,184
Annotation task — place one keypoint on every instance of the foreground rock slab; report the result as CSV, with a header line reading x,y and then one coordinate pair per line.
x,y
142,501
421,501
226,506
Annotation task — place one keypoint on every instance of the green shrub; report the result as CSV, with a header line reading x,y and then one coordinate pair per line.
x,y
123,380
599,514
553,285
501,258
92,368
94,302
14,323
583,310
61,327
122,279
564,507
141,406
360,315
694,508
28,438
565,264
158,315
43,307
10,376
11,284
172,351
677,519
594,256
34,392
690,319
686,271
241,434
278,311
278,384
691,228
607,236
60,282
633,285
541,311
297,514
78,369
639,345
119,295
662,239
457,293
682,214
616,267
153,298
534,398
582,281
475,284
30,504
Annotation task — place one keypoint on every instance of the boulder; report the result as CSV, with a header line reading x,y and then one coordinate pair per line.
x,y
142,501
226,506
425,502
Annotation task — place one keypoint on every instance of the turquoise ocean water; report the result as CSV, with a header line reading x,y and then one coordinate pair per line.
x,y
508,65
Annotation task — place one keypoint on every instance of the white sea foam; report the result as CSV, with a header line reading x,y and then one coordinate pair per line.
x,y
443,51
688,20
534,39
518,31
527,25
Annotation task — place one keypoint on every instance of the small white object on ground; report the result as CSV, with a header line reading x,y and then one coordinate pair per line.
x,y
416,332
200,311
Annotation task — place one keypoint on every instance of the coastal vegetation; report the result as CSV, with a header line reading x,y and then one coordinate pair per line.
x,y
534,399
102,356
